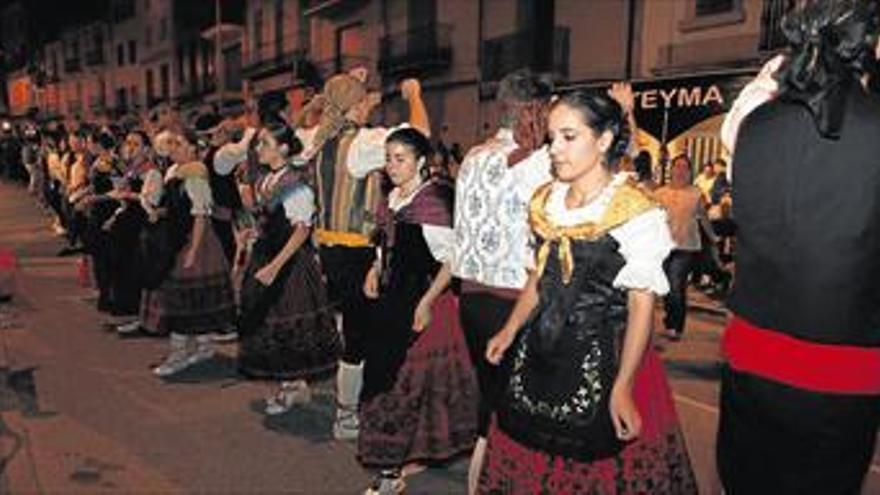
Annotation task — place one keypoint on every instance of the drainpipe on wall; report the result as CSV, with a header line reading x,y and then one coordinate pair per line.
x,y
630,38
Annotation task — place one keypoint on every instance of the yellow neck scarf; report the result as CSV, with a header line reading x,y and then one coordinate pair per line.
x,y
628,202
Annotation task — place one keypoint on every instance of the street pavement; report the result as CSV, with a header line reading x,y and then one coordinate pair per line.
x,y
80,411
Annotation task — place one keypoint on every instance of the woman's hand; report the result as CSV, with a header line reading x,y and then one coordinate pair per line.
x,y
371,283
622,93
624,413
498,345
267,274
422,316
244,235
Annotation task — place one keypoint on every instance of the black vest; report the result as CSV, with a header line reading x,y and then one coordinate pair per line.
x,y
565,360
808,217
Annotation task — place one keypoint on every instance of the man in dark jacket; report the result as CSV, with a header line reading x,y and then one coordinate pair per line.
x,y
800,399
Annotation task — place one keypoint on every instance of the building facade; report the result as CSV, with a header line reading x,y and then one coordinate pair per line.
x,y
190,53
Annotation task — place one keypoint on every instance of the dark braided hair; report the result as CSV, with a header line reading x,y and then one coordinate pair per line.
x,y
601,113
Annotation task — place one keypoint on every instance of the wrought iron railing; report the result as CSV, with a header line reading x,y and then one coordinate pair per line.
x,y
425,47
95,57
526,49
72,65
341,63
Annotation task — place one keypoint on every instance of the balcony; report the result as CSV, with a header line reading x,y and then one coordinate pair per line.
x,y
329,67
72,65
526,49
415,51
772,13
261,66
331,8
97,104
95,57
74,106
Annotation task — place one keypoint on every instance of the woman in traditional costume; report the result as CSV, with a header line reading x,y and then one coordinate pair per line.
x,y
586,407
419,401
287,328
195,296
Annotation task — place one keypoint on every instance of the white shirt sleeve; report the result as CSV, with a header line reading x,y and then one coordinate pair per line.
x,y
199,192
306,136
757,92
645,242
367,151
299,205
151,190
533,172
440,240
231,154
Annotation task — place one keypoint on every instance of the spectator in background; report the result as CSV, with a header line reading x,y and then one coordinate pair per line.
x,y
685,213
645,170
718,210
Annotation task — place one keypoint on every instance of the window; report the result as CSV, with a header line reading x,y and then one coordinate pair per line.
x,y
713,7
120,54
123,9
98,37
132,52
279,27
181,74
165,81
149,82
703,14
163,29
257,36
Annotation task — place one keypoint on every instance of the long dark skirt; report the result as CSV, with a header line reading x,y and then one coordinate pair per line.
x,y
98,244
430,412
655,463
125,277
777,439
294,336
199,299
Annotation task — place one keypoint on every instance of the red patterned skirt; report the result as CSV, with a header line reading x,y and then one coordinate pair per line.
x,y
199,299
655,463
430,413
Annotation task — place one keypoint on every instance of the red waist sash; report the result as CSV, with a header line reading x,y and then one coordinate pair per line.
x,y
817,367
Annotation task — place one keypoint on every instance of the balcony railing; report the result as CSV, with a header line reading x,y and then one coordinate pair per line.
x,y
525,49
772,14
341,63
97,104
330,8
271,65
72,65
424,48
95,57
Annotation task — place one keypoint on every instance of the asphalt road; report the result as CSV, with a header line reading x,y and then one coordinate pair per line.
x,y
80,411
